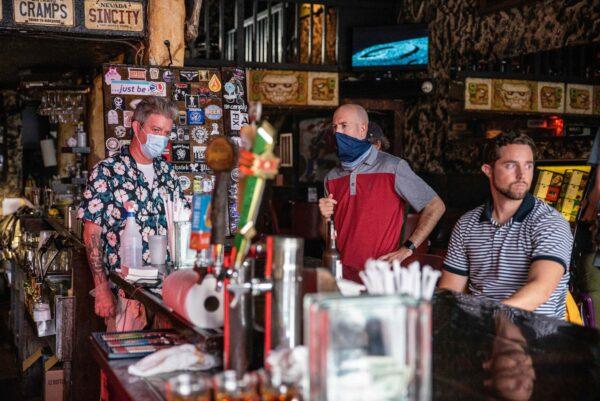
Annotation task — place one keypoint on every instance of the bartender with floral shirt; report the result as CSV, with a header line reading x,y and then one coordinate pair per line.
x,y
138,177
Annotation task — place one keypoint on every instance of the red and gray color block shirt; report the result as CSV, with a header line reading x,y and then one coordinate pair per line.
x,y
370,207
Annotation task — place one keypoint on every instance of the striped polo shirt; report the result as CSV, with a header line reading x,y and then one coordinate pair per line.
x,y
496,257
370,207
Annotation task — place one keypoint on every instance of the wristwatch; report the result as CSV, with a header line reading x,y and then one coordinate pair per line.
x,y
409,244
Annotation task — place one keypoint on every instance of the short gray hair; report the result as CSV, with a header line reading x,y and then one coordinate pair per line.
x,y
155,105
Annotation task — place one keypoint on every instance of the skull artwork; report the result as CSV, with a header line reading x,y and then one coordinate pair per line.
x,y
120,131
515,96
279,89
118,103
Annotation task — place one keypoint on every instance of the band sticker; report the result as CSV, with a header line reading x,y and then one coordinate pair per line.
x,y
188,76
138,88
120,131
238,120
185,182
195,116
215,129
180,91
200,134
127,118
181,152
138,74
214,84
199,153
192,101
113,144
117,103
213,112
154,73
111,75
113,117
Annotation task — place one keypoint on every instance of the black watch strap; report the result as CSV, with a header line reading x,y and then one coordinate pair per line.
x,y
409,244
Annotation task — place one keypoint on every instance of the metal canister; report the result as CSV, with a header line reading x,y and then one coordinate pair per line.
x,y
286,277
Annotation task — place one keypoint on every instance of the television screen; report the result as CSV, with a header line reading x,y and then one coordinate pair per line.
x,y
390,47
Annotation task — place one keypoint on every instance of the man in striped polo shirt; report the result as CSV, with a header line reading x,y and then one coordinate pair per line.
x,y
367,194
515,248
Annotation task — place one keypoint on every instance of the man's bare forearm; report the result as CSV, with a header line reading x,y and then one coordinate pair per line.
x,y
92,238
428,218
544,277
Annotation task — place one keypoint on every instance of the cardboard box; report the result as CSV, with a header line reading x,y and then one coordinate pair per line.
x,y
53,385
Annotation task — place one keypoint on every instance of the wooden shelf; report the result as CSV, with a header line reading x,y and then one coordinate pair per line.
x,y
534,137
494,115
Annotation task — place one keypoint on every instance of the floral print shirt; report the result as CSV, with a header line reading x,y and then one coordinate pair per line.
x,y
115,181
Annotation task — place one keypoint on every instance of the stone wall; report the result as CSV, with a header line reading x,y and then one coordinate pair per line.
x,y
461,36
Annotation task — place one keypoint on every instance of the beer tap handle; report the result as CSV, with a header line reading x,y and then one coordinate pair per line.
x,y
219,209
260,286
238,289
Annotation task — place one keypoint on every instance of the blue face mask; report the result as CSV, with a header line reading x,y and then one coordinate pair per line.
x,y
349,149
154,146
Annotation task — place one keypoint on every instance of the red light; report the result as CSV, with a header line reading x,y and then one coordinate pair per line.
x,y
557,124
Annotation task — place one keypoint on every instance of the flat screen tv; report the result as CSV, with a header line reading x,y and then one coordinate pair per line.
x,y
390,47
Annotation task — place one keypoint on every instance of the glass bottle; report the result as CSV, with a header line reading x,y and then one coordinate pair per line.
x,y
331,256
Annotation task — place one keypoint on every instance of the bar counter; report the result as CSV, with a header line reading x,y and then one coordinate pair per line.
x,y
526,356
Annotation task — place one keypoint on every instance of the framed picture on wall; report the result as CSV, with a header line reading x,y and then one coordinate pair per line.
x,y
514,95
579,99
596,106
323,88
478,94
278,87
551,97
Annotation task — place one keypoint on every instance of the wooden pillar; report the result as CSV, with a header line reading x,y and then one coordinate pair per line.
x,y
95,124
166,21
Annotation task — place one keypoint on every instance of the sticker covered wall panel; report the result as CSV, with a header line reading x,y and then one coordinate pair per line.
x,y
197,94
210,102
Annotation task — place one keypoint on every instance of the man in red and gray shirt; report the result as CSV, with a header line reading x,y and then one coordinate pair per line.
x,y
367,196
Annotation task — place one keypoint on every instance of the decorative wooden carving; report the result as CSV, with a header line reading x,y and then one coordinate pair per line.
x,y
193,22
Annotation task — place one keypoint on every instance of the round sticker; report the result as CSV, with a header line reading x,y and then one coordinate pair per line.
x,y
112,144
168,76
200,134
213,112
185,182
235,174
